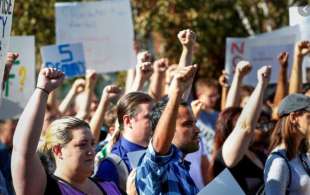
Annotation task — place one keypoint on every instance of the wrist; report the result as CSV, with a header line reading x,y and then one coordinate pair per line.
x,y
43,90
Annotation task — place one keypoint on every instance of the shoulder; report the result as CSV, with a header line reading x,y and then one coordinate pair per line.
x,y
276,168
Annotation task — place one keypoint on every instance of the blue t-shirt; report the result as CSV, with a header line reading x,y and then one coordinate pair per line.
x,y
107,170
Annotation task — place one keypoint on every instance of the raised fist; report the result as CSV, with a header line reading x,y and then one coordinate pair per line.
x,y
49,79
187,37
263,74
223,79
78,85
243,68
283,59
302,48
111,92
197,107
144,56
91,78
161,65
182,79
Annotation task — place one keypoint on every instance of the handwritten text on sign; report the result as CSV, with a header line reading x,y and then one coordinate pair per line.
x,y
69,58
6,12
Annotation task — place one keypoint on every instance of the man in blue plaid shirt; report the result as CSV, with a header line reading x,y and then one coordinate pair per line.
x,y
163,169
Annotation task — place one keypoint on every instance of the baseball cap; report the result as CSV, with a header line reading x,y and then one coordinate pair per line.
x,y
294,102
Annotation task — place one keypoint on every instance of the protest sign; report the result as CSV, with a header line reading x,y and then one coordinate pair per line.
x,y
223,184
261,50
134,157
69,58
21,83
104,27
301,17
6,13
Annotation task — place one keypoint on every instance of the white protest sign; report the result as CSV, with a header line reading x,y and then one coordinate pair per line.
x,y
223,184
235,52
21,82
6,13
261,50
134,157
301,16
104,27
69,58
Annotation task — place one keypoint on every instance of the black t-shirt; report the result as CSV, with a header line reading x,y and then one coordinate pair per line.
x,y
249,176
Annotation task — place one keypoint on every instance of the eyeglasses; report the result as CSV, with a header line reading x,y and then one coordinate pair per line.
x,y
266,126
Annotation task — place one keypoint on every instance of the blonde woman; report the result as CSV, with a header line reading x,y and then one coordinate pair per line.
x,y
68,143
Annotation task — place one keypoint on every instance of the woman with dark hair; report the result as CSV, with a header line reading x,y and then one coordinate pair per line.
x,y
235,134
287,168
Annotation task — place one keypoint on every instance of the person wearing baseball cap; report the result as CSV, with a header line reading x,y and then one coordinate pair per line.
x,y
287,168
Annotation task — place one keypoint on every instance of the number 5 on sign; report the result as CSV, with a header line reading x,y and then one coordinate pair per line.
x,y
68,58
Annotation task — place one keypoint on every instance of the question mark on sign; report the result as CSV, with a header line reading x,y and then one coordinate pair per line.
x,y
22,72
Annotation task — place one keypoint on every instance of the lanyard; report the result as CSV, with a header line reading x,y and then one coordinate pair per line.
x,y
304,163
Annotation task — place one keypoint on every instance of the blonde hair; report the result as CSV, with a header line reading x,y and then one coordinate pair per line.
x,y
58,133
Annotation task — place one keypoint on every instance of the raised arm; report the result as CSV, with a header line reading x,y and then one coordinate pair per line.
x,y
282,85
144,71
223,80
108,93
165,129
233,97
75,89
90,83
28,173
237,143
187,38
158,80
301,49
10,59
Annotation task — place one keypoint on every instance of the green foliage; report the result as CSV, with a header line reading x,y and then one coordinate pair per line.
x,y
161,20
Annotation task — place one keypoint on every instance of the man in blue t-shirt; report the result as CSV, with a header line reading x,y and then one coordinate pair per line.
x,y
133,114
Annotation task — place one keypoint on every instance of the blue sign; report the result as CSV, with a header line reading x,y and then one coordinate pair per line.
x,y
69,58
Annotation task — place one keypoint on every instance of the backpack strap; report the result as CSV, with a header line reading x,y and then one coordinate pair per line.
x,y
121,169
288,166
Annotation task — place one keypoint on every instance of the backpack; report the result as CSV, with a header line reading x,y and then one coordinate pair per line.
x,y
121,169
261,190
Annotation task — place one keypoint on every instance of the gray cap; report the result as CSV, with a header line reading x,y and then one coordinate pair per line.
x,y
294,102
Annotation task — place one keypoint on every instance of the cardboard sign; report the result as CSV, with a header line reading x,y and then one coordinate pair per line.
x,y
104,27
223,184
69,58
261,50
6,13
301,16
21,83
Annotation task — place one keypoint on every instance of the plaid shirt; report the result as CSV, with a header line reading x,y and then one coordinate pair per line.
x,y
164,174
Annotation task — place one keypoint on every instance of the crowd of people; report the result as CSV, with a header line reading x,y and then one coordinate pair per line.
x,y
81,144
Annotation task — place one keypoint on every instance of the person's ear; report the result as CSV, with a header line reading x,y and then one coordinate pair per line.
x,y
57,151
293,118
127,121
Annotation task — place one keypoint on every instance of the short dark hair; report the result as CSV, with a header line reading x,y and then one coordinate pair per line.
x,y
158,109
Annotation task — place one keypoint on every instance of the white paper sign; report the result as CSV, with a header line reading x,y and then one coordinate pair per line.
x,y
223,184
105,28
301,17
6,13
21,82
134,157
261,50
69,58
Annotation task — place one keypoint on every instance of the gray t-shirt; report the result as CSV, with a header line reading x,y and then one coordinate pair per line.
x,y
276,176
